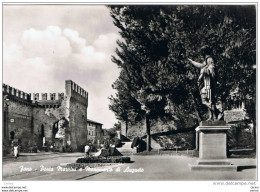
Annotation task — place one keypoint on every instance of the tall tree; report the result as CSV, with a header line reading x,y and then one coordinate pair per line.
x,y
125,107
157,40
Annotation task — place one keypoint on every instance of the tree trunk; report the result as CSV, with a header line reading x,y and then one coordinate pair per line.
x,y
126,127
148,134
254,132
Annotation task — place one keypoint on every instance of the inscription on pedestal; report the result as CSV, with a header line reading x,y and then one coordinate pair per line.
x,y
212,145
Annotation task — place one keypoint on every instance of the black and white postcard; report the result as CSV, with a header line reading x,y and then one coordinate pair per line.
x,y
129,92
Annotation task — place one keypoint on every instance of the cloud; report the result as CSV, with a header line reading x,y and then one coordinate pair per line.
x,y
105,43
76,42
37,62
44,59
64,49
12,53
49,44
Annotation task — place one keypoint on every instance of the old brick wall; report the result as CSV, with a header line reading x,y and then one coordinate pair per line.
x,y
183,140
46,118
27,120
137,129
78,123
32,120
158,126
186,138
76,103
19,117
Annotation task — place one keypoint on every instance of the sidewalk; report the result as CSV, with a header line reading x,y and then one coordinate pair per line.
x,y
30,154
21,155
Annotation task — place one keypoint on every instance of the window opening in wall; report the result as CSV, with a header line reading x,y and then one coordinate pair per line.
x,y
54,129
12,135
42,130
42,135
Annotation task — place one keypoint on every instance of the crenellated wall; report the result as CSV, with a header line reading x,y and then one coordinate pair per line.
x,y
18,116
34,116
76,112
76,92
47,96
16,93
48,100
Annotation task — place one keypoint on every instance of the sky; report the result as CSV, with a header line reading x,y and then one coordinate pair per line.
x,y
44,45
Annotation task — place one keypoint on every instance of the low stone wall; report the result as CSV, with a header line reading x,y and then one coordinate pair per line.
x,y
158,126
184,140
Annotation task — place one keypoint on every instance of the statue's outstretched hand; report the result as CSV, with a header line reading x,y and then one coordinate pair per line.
x,y
190,60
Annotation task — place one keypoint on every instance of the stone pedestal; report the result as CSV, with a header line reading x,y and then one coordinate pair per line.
x,y
211,141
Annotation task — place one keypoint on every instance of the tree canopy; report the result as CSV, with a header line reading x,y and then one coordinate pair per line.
x,y
156,77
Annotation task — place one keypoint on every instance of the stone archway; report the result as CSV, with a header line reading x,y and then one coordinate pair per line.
x,y
54,132
54,129
60,135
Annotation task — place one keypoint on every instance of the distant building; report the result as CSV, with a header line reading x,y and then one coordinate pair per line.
x,y
238,107
95,132
42,120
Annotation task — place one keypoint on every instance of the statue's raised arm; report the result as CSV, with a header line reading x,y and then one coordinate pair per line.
x,y
196,64
206,82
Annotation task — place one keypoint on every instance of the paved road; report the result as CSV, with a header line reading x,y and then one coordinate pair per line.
x,y
30,165
174,168
155,167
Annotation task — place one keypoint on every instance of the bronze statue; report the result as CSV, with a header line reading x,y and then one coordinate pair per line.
x,y
206,83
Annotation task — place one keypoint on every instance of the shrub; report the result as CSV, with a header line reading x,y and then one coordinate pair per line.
x,y
110,159
94,148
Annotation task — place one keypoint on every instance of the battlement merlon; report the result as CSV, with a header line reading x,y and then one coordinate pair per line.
x,y
71,87
47,96
8,90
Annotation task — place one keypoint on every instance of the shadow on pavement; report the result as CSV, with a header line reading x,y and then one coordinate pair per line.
x,y
88,176
241,168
